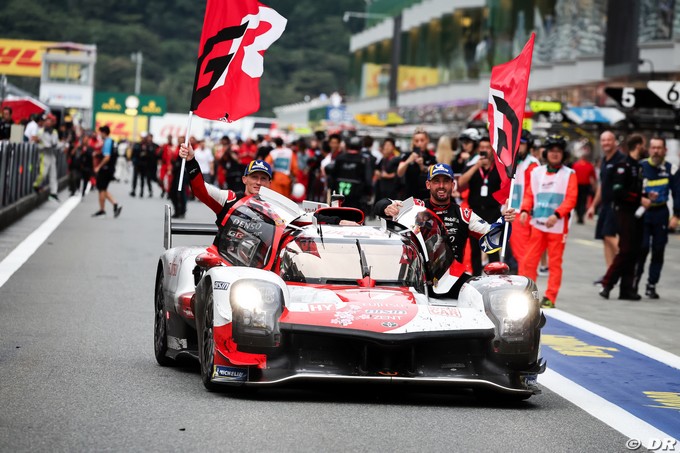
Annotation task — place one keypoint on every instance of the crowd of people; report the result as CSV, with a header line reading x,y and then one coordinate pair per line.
x,y
556,183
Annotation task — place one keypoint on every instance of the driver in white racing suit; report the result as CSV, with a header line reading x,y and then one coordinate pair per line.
x,y
460,222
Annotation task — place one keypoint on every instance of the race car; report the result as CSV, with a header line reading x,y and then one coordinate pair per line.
x,y
280,297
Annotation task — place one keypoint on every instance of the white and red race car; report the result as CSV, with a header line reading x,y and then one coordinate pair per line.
x,y
280,298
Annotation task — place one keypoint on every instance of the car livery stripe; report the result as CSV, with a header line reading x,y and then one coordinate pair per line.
x,y
643,387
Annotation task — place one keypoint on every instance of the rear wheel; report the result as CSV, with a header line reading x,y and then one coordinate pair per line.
x,y
160,331
207,351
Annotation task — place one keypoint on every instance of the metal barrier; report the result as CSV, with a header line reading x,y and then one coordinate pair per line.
x,y
19,166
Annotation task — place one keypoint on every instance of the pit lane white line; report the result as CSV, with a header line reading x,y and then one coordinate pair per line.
x,y
611,414
641,347
28,246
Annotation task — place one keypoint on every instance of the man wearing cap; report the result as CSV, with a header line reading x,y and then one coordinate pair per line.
x,y
460,222
549,197
257,174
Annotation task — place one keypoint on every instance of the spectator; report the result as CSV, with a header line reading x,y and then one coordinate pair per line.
x,y
444,153
165,172
607,227
178,197
204,158
388,183
284,163
661,180
469,140
586,177
627,191
554,184
414,165
104,174
47,139
352,175
6,123
31,130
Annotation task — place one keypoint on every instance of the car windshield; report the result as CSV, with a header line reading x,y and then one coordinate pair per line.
x,y
247,236
390,261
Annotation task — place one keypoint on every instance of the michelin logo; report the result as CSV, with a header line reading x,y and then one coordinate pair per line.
x,y
230,373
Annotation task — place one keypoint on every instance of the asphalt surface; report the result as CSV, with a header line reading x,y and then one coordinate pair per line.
x,y
77,370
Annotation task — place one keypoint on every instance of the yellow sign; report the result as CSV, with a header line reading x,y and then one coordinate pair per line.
x,y
376,78
545,106
570,346
22,58
111,106
121,125
151,108
375,119
414,77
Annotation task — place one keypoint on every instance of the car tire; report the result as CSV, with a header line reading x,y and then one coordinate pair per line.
x,y
160,328
207,345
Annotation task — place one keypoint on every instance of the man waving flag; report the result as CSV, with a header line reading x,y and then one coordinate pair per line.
x,y
235,35
507,98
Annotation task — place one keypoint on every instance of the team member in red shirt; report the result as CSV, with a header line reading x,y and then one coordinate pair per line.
x,y
586,179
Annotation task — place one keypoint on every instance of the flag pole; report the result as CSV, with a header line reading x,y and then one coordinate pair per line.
x,y
506,227
184,161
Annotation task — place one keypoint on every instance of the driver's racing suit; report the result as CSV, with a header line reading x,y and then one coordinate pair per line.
x,y
460,223
221,201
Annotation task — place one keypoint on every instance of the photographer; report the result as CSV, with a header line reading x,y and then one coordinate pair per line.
x,y
413,166
482,181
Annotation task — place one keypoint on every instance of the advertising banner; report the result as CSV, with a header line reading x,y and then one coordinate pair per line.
x,y
121,125
21,57
376,79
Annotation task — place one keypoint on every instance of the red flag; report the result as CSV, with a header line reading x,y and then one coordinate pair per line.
x,y
507,98
235,35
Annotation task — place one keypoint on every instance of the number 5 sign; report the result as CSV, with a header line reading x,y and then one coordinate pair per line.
x,y
669,92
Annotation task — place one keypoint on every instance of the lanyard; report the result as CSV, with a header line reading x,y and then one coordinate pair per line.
x,y
485,177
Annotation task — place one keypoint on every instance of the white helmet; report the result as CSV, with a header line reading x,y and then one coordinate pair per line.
x,y
298,190
471,134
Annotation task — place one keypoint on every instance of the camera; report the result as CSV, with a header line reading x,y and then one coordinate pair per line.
x,y
483,154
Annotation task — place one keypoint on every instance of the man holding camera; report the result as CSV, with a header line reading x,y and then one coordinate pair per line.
x,y
413,166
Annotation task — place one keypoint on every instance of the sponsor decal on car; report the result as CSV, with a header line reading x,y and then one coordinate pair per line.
x,y
451,312
390,324
220,285
230,373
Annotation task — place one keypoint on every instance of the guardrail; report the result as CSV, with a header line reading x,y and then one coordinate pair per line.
x,y
19,166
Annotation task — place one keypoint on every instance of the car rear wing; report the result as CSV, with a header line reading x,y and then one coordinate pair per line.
x,y
187,229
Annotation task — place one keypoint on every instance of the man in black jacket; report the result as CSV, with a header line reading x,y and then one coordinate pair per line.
x,y
626,178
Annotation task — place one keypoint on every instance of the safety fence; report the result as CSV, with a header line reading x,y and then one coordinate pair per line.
x,y
19,167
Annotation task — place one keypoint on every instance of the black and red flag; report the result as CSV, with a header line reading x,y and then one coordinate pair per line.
x,y
236,33
507,99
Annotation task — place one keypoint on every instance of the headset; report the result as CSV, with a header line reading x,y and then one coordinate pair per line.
x,y
558,141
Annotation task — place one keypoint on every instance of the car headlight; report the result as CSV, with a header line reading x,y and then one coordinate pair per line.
x,y
256,306
512,308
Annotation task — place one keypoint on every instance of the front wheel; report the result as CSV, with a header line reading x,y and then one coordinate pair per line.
x,y
160,330
207,350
